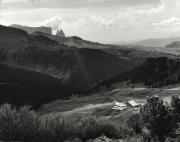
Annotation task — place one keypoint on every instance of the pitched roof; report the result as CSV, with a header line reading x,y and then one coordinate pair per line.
x,y
133,103
119,104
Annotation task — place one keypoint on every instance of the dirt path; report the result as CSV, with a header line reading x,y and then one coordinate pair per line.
x,y
88,108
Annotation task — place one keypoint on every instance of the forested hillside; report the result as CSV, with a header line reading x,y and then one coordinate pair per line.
x,y
154,72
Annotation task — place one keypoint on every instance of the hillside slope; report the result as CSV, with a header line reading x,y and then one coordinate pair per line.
x,y
154,72
78,69
157,72
22,87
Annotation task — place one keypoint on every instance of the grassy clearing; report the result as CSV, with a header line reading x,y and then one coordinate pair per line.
x,y
74,103
101,98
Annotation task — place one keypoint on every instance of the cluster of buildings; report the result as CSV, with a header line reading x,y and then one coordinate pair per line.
x,y
125,105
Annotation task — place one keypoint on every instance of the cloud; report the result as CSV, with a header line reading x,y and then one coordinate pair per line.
x,y
54,22
34,4
170,3
103,20
168,25
168,17
173,21
96,1
120,25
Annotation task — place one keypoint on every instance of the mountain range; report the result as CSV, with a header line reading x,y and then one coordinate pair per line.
x,y
78,70
37,66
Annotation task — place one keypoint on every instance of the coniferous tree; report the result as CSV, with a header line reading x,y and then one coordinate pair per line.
x,y
157,118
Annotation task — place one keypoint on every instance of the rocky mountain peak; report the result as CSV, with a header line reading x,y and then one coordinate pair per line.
x,y
60,33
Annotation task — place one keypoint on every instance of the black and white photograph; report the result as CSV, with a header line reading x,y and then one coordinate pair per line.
x,y
89,70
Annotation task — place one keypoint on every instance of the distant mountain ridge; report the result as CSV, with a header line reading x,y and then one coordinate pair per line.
x,y
175,44
122,51
72,41
156,42
31,30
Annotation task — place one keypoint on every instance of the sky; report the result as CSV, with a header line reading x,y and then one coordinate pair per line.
x,y
107,21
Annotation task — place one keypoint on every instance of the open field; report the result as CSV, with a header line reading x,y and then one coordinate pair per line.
x,y
100,104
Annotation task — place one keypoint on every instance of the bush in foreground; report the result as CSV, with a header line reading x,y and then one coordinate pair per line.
x,y
19,124
159,119
175,103
26,125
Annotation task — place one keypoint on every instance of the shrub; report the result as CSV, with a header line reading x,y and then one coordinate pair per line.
x,y
134,139
56,128
137,128
157,118
24,124
8,122
175,103
135,123
172,140
114,130
28,124
16,124
109,129
89,128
